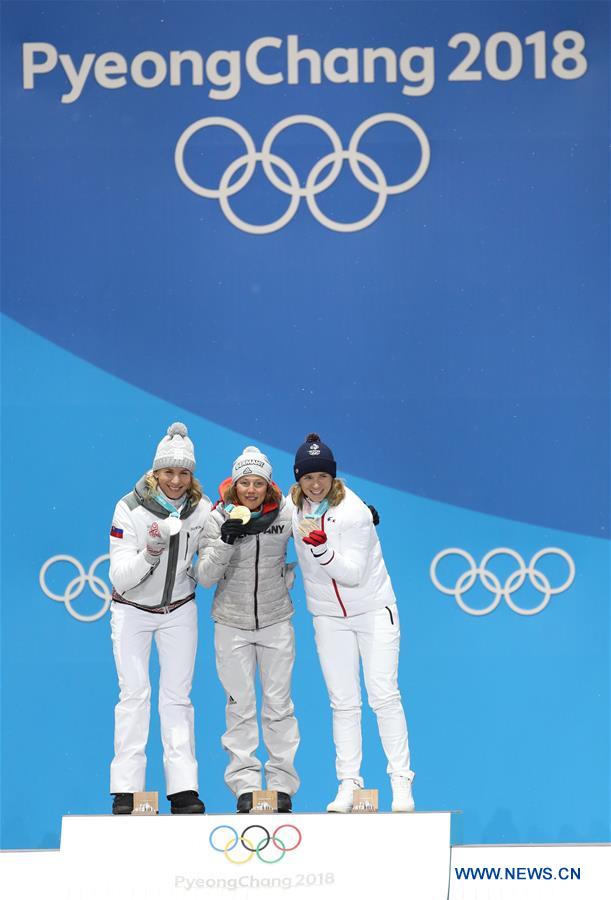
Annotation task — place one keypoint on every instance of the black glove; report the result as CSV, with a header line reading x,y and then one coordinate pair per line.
x,y
374,514
231,529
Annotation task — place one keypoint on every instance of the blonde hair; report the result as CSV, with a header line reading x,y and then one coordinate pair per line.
x,y
195,492
333,498
272,494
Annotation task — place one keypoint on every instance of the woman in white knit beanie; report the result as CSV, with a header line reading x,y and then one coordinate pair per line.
x,y
154,535
245,557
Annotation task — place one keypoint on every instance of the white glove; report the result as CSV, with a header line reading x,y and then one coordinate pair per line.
x,y
157,541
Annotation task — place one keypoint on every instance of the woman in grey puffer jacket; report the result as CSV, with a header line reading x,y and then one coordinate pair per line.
x,y
252,611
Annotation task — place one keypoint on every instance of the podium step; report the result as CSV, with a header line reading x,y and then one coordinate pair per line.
x,y
259,856
344,857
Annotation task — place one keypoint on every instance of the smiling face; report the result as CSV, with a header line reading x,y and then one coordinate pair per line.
x,y
316,485
251,491
173,482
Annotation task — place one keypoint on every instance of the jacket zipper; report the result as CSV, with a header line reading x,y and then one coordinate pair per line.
x,y
335,588
170,575
256,583
142,580
187,546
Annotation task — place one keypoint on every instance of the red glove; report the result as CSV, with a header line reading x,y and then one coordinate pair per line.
x,y
315,538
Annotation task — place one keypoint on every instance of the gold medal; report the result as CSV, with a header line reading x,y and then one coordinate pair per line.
x,y
240,512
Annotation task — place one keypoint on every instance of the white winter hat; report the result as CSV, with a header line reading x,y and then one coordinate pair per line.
x,y
175,450
251,462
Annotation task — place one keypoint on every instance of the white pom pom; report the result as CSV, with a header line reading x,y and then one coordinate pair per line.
x,y
250,450
177,428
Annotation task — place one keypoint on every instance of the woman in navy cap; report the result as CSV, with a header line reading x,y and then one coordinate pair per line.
x,y
350,595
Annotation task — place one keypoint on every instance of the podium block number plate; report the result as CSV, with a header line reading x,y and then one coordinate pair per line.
x,y
264,802
146,803
365,801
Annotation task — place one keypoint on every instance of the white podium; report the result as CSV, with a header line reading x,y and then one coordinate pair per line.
x,y
261,857
254,857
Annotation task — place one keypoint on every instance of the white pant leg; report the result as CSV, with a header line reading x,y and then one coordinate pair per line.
x,y
275,649
339,659
379,636
236,664
176,639
131,632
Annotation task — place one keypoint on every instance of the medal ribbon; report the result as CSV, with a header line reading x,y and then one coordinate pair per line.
x,y
320,510
173,511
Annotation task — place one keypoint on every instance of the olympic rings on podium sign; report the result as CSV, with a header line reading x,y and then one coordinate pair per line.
x,y
512,584
249,845
271,162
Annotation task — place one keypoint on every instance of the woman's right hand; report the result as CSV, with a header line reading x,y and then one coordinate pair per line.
x,y
231,530
315,538
156,542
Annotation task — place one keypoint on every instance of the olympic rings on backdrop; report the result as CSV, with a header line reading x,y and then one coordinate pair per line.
x,y
271,162
75,587
251,848
512,584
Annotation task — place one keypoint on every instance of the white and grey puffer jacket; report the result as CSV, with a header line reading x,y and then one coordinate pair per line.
x,y
251,574
347,575
133,576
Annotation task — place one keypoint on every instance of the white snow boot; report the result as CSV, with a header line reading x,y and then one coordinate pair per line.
x,y
402,797
345,796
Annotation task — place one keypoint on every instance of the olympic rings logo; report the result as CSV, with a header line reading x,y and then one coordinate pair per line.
x,y
290,184
251,845
75,587
512,584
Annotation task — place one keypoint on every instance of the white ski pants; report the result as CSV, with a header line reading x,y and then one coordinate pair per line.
x,y
374,638
175,634
238,655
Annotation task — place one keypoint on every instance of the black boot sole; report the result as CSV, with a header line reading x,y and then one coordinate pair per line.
x,y
187,811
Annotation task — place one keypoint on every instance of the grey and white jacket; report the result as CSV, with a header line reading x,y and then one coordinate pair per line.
x,y
347,575
169,579
251,575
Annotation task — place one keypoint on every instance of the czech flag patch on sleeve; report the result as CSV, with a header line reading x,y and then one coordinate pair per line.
x,y
116,532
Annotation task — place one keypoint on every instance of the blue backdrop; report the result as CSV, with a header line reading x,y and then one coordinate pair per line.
x,y
449,339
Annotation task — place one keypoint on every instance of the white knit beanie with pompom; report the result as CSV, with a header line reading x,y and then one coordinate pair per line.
x,y
175,450
251,462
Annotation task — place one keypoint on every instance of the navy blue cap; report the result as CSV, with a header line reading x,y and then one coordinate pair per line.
x,y
314,456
